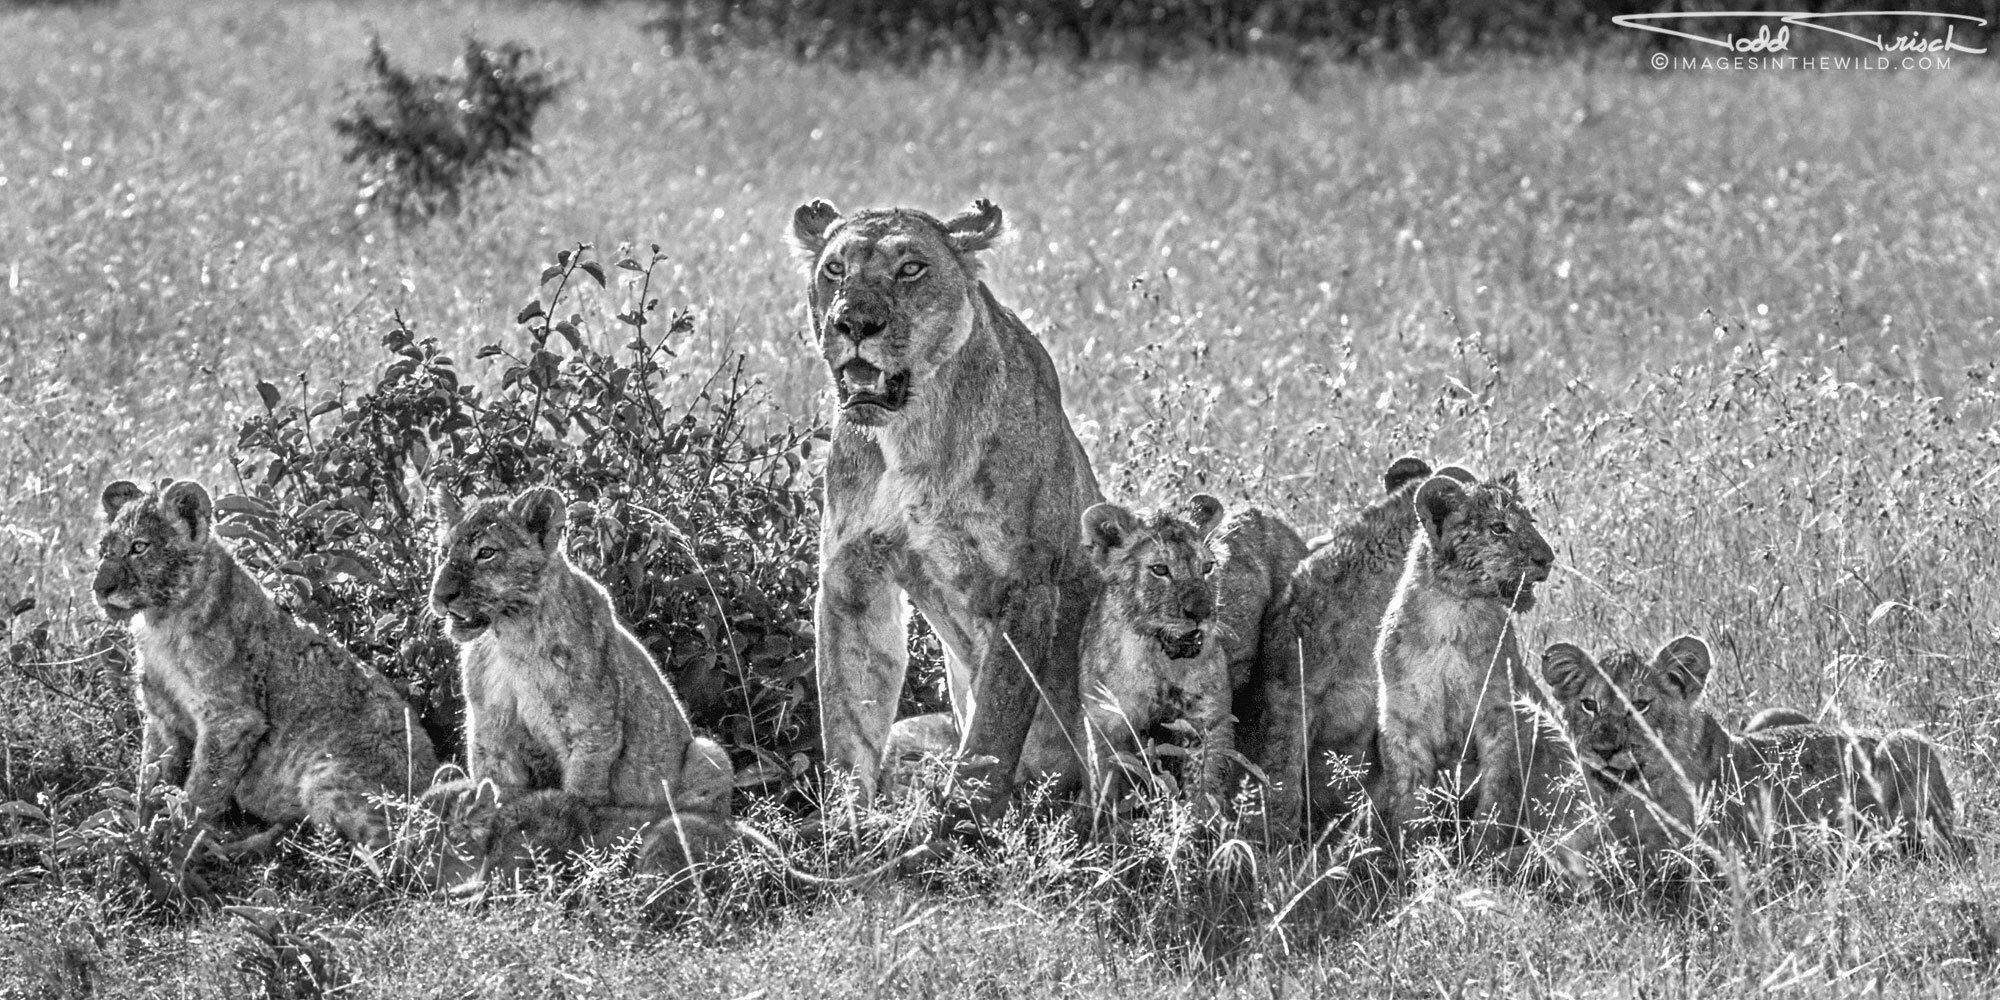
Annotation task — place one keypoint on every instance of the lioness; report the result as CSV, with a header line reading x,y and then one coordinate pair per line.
x,y
1663,771
953,478
242,703
1151,654
1311,722
573,735
1454,691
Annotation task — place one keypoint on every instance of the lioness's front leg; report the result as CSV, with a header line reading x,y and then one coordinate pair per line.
x,y
223,743
862,626
1017,673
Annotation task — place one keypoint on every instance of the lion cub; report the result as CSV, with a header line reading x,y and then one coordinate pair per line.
x,y
1454,691
1151,653
1311,721
573,734
1663,771
242,703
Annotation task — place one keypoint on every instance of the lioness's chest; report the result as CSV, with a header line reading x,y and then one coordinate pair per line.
x,y
931,526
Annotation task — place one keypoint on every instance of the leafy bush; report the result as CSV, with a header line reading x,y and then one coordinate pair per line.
x,y
423,141
705,531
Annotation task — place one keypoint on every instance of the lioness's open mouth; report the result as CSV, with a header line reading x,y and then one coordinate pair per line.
x,y
861,384
119,614
1180,646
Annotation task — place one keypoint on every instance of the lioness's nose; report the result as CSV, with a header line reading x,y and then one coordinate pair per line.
x,y
857,328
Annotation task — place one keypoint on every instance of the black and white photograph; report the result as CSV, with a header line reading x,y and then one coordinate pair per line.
x,y
764,499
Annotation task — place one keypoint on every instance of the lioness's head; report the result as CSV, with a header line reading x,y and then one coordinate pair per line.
x,y
892,298
1603,701
1158,569
493,557
1483,541
152,546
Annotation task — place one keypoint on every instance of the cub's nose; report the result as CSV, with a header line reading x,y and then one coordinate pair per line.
x,y
1197,606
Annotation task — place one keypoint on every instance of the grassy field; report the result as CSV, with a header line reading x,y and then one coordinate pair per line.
x,y
1737,331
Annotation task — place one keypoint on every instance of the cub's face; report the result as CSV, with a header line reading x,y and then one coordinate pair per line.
x,y
891,295
493,557
1483,538
151,546
1608,704
1158,569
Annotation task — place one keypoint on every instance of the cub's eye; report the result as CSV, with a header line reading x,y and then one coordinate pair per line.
x,y
1160,569
1501,529
1641,705
139,547
1208,567
833,269
912,270
485,552
1589,705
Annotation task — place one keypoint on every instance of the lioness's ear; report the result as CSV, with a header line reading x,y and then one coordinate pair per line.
x,y
445,505
1437,499
119,494
1685,662
975,230
1205,512
541,510
810,225
1460,473
1105,526
1511,480
188,503
1404,471
1567,668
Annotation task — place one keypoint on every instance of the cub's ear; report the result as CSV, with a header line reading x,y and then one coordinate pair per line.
x,y
1460,473
1567,668
1105,527
1438,499
542,511
185,501
118,494
446,506
810,225
977,229
1685,662
1205,512
1404,471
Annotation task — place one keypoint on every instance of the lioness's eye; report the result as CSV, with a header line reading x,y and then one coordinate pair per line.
x,y
139,547
1589,705
1642,704
912,269
1208,567
1501,529
485,552
1159,569
834,268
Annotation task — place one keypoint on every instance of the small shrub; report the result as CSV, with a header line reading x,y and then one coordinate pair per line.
x,y
423,141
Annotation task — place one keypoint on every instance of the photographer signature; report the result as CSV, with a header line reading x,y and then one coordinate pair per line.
x,y
1766,41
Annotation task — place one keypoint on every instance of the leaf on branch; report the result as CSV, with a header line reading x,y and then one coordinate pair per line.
x,y
491,350
269,393
325,406
551,272
595,270
528,312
